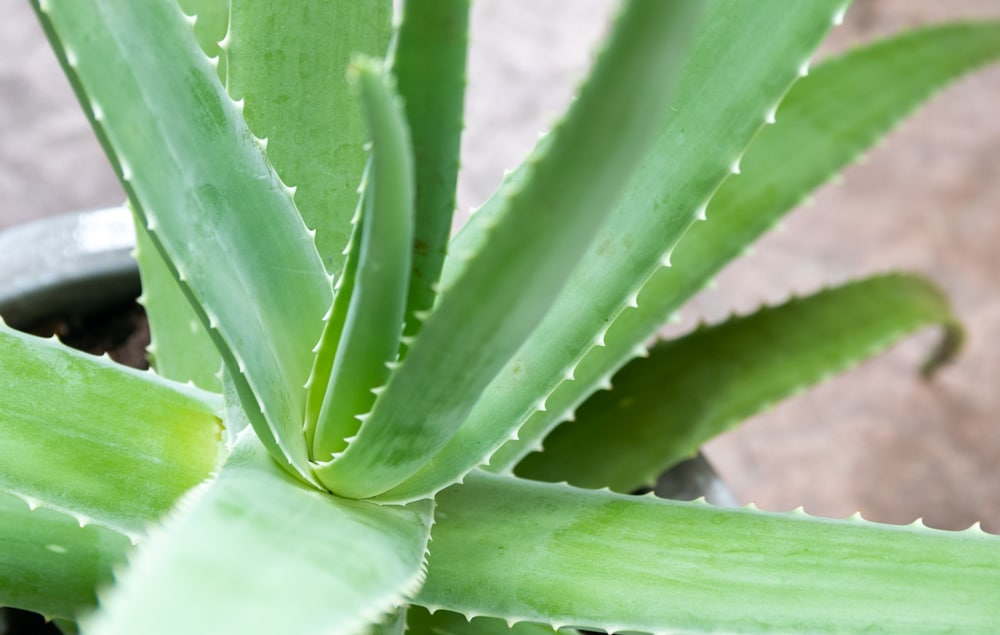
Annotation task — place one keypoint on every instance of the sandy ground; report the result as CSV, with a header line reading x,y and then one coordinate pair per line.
x,y
928,200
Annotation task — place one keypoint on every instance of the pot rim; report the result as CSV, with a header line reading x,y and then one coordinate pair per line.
x,y
68,264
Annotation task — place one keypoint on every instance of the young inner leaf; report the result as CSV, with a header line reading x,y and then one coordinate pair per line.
x,y
369,342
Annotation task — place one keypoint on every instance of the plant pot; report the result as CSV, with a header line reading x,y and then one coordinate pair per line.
x,y
76,264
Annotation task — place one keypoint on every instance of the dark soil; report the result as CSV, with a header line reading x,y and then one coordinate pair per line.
x,y
121,332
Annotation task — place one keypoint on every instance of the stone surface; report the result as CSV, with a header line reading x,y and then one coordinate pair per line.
x,y
928,200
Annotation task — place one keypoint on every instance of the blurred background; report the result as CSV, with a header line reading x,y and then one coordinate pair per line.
x,y
880,439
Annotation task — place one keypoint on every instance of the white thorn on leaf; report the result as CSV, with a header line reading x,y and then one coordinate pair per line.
x,y
569,375
702,212
771,115
239,103
633,300
191,19
838,17
734,168
665,260
599,339
804,68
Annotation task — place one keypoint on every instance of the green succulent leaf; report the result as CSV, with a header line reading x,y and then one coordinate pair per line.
x,y
288,63
206,193
372,326
533,248
826,121
755,51
51,565
551,553
256,551
664,407
85,460
180,348
428,61
333,330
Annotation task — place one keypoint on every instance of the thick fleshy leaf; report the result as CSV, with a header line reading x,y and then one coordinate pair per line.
x,y
179,348
103,443
333,330
551,553
828,118
201,184
428,61
49,563
256,551
545,228
664,407
744,57
369,340
288,62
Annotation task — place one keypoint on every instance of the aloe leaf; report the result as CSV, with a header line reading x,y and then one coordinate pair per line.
x,y
420,621
428,61
744,57
532,250
374,319
828,118
288,63
531,551
211,26
257,552
204,189
129,446
180,348
333,330
688,390
48,563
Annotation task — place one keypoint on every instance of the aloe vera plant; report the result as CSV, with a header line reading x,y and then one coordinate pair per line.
x,y
358,424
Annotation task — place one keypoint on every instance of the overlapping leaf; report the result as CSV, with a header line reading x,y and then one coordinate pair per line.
x,y
826,121
743,59
213,205
548,553
257,552
664,407
533,248
97,441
